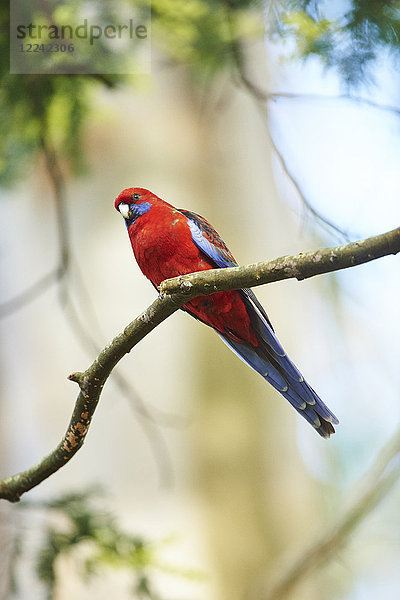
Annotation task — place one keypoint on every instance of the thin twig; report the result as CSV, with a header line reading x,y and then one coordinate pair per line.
x,y
262,98
381,478
330,225
39,287
390,108
59,273
175,293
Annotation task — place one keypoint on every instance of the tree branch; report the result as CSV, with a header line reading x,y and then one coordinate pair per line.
x,y
91,383
174,293
380,479
300,267
62,276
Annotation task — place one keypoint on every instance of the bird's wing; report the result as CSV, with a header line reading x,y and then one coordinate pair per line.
x,y
208,241
269,359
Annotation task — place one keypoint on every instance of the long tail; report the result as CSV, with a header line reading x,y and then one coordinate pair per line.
x,y
271,361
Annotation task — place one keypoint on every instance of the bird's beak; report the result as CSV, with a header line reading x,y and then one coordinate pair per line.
x,y
124,209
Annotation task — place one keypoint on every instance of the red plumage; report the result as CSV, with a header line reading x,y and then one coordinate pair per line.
x,y
168,242
163,246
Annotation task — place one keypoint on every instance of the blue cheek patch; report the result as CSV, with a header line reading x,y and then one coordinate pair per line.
x,y
141,209
137,211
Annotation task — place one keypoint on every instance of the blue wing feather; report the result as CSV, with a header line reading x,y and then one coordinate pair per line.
x,y
269,359
207,239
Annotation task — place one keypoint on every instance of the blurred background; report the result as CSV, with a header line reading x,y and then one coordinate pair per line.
x,y
279,122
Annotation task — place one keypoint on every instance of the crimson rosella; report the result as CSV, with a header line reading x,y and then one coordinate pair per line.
x,y
168,242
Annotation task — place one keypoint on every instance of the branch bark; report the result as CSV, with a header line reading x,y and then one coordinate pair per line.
x,y
300,267
91,384
174,293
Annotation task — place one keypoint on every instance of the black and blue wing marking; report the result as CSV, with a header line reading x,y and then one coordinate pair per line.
x,y
207,239
269,358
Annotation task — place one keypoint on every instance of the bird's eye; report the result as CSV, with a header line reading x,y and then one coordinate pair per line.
x,y
135,197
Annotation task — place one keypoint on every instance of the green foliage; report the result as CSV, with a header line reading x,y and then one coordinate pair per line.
x,y
351,42
40,109
76,521
202,33
312,36
51,109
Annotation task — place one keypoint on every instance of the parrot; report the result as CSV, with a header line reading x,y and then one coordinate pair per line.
x,y
168,242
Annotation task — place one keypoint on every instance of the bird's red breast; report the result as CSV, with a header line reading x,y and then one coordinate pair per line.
x,y
163,246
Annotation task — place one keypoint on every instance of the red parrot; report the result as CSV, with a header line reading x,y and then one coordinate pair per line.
x,y
168,242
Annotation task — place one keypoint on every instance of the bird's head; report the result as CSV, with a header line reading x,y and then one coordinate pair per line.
x,y
133,203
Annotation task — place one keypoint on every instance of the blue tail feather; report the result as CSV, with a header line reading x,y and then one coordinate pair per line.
x,y
271,361
250,357
283,375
